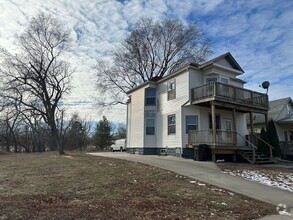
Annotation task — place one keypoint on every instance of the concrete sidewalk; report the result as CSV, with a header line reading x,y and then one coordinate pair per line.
x,y
208,172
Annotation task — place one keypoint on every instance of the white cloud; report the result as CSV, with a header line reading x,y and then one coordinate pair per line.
x,y
258,35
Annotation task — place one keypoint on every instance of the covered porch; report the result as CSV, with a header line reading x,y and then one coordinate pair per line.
x,y
219,96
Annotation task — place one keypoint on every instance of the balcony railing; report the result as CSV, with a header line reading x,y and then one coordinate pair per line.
x,y
230,93
223,137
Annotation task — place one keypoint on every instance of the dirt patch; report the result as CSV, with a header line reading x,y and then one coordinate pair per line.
x,y
42,186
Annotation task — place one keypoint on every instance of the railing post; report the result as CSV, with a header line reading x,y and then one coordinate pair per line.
x,y
215,89
251,133
214,123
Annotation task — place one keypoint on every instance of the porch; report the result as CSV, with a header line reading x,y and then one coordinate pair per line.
x,y
219,96
226,142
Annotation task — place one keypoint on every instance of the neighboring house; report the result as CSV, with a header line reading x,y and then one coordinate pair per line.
x,y
197,104
281,112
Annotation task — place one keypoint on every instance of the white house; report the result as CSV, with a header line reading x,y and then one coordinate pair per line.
x,y
197,104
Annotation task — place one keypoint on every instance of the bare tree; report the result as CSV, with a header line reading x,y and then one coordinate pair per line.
x,y
151,51
36,77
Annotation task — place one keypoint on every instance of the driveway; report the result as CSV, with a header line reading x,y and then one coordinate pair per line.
x,y
208,172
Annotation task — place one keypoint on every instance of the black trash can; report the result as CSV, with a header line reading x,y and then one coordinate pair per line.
x,y
188,153
202,152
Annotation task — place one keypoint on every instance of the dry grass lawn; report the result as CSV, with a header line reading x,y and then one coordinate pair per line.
x,y
80,186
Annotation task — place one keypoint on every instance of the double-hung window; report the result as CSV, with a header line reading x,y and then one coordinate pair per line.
x,y
150,96
191,123
172,124
150,126
150,122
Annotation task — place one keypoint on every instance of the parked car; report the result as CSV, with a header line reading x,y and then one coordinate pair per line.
x,y
119,145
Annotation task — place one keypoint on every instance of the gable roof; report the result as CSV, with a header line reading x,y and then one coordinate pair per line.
x,y
229,58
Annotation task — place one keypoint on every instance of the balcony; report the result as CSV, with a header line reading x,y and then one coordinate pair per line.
x,y
228,94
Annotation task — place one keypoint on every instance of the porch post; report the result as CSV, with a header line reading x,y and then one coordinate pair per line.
x,y
234,127
251,133
266,121
214,123
266,125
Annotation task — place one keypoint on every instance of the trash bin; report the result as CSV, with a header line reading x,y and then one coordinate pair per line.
x,y
188,153
202,152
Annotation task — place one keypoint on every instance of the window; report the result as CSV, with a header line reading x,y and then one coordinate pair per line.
x,y
224,80
171,124
191,123
150,96
218,122
211,80
150,126
171,90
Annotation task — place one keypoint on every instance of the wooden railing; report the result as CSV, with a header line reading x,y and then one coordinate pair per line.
x,y
230,94
223,137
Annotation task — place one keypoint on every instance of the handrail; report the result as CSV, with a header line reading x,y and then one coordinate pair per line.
x,y
263,141
255,147
271,147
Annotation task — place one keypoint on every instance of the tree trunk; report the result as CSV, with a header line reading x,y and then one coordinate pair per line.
x,y
56,140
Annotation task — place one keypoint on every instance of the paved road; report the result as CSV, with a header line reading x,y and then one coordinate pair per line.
x,y
208,172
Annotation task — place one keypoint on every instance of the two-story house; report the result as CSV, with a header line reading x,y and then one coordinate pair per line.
x,y
197,104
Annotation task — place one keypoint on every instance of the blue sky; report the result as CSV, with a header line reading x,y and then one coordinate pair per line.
x,y
259,34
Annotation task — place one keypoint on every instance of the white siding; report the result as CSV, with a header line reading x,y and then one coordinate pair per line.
x,y
225,63
196,78
136,120
189,110
168,107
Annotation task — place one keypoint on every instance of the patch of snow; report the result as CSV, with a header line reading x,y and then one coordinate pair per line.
x,y
282,181
223,203
192,181
201,184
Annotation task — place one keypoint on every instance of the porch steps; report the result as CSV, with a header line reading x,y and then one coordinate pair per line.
x,y
260,158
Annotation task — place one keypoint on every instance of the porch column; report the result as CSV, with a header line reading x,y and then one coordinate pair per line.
x,y
251,133
266,121
214,123
266,126
234,127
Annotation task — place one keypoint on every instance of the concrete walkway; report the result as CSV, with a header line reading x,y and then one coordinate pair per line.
x,y
208,172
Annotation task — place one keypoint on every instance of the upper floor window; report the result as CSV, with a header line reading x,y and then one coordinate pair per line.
x,y
224,81
172,89
211,80
171,124
150,96
191,123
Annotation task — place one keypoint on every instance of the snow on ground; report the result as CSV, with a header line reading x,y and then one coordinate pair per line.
x,y
281,180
